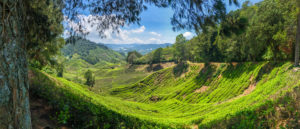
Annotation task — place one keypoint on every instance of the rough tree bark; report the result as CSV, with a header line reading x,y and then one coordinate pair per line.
x,y
297,53
14,98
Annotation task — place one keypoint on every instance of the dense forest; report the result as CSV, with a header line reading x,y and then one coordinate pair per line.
x,y
261,32
240,70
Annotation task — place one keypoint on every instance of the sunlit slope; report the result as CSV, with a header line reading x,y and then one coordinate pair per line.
x,y
189,96
82,108
197,83
107,76
204,94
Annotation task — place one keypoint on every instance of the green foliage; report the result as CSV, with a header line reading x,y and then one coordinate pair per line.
x,y
180,69
180,49
60,70
91,52
261,32
43,33
133,56
167,55
107,75
269,25
266,37
233,24
78,107
157,55
90,78
64,115
181,99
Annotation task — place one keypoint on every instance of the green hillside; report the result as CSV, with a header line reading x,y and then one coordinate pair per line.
x,y
76,106
91,52
107,65
107,75
195,95
210,93
150,64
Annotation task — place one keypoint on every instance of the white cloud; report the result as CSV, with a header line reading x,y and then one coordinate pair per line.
x,y
125,35
139,30
94,23
154,40
188,35
155,34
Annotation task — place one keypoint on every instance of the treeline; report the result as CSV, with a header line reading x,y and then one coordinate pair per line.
x,y
264,31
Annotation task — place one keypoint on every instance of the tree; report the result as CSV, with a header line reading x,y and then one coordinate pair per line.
x,y
29,30
269,34
60,70
197,15
269,26
157,55
207,48
180,49
297,46
90,78
132,56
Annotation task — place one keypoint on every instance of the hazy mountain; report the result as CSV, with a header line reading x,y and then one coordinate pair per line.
x,y
141,48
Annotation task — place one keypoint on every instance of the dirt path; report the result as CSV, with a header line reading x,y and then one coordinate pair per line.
x,y
201,90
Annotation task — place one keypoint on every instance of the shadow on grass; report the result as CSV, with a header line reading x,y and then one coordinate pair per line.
x,y
180,69
235,71
267,68
154,67
205,74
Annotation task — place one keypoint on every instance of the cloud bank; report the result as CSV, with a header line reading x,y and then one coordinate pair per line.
x,y
125,35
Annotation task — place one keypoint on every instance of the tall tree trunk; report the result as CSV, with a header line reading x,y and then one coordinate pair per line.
x,y
297,37
14,98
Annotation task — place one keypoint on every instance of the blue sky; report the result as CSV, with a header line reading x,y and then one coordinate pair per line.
x,y
155,27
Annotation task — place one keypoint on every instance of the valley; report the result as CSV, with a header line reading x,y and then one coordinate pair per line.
x,y
149,64
202,96
159,90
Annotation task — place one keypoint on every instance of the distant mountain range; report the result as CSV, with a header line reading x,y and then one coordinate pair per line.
x,y
141,48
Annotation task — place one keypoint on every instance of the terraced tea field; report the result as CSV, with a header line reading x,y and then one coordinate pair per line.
x,y
192,95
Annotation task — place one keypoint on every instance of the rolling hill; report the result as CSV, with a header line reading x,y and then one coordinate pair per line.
x,y
193,95
107,65
91,52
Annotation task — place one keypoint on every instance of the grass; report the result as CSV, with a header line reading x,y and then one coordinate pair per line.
x,y
178,105
108,75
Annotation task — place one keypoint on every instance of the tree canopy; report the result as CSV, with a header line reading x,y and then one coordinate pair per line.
x,y
264,31
90,78
180,48
133,56
157,55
